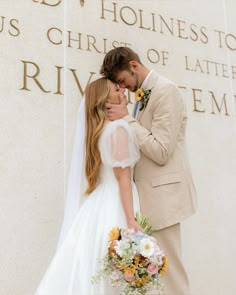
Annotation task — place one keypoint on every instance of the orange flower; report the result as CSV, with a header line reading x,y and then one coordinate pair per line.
x,y
114,234
138,283
144,261
112,247
120,266
165,265
129,270
142,281
136,260
139,94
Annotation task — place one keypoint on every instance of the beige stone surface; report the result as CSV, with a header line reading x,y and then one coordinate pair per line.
x,y
62,44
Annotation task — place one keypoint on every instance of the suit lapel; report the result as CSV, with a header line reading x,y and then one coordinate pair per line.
x,y
140,114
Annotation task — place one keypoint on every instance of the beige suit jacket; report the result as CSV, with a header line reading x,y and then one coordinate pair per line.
x,y
162,175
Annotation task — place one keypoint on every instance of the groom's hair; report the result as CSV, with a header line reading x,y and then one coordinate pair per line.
x,y
117,60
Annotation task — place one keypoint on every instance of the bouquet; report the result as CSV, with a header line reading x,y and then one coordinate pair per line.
x,y
134,260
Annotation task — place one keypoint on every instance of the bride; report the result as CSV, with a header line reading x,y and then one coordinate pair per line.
x,y
110,197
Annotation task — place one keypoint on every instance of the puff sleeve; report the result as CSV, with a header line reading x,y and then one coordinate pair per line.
x,y
119,147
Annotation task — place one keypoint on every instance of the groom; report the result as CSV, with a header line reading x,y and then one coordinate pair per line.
x,y
162,175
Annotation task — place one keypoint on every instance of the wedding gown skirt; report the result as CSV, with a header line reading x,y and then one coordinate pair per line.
x,y
76,260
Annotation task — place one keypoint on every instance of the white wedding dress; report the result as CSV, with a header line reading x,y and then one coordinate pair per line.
x,y
75,261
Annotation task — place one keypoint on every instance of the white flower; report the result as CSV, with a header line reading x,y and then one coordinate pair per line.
x,y
127,233
121,247
116,275
157,259
147,247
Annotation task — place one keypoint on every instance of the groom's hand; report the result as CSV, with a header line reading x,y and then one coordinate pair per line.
x,y
117,111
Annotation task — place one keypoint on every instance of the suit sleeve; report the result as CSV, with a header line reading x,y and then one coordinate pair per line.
x,y
159,143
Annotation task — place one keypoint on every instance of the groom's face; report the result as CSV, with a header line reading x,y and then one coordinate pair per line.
x,y
128,79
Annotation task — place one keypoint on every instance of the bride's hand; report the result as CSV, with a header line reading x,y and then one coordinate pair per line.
x,y
134,224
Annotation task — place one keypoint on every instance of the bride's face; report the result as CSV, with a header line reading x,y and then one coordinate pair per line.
x,y
115,93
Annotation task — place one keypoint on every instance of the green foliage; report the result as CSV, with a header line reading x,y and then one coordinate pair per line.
x,y
144,223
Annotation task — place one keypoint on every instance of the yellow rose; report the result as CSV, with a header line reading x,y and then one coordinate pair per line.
x,y
114,234
139,94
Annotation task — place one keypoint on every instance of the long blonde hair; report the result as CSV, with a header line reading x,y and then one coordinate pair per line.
x,y
96,94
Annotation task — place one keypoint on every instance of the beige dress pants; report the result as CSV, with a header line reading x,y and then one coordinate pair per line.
x,y
175,280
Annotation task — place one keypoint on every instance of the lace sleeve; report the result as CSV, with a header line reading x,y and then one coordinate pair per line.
x,y
120,147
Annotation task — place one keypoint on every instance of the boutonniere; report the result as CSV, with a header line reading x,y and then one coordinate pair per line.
x,y
143,96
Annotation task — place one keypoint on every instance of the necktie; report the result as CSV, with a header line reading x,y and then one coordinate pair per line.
x,y
135,109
